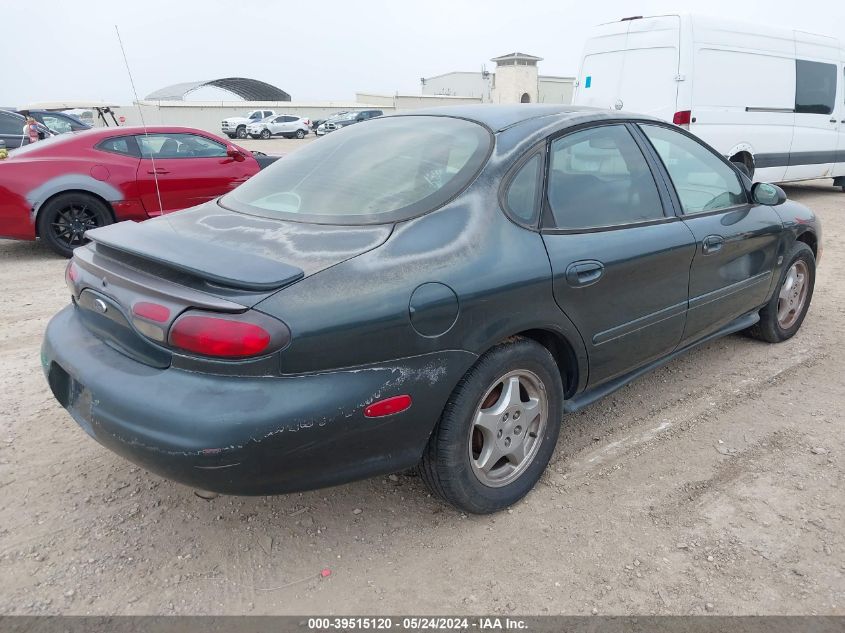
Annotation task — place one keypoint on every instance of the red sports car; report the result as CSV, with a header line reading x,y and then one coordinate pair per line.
x,y
59,188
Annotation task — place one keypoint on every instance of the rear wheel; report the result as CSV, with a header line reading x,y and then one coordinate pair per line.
x,y
300,134
63,220
781,318
265,134
498,429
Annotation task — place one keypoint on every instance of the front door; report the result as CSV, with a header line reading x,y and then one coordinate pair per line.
x,y
620,263
182,170
736,242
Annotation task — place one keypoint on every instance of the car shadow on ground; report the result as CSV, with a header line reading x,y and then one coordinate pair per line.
x,y
25,250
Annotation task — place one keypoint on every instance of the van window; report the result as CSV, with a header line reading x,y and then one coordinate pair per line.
x,y
703,181
815,87
599,177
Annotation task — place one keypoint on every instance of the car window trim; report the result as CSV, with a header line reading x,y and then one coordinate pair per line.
x,y
132,145
674,192
547,221
512,173
216,142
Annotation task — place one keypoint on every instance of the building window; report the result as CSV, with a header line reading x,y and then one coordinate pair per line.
x,y
526,98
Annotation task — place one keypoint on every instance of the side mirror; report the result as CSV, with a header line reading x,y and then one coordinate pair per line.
x,y
767,194
235,154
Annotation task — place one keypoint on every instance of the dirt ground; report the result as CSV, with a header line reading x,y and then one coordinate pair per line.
x,y
716,484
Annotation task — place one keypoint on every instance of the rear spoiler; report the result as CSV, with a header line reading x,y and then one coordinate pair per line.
x,y
211,262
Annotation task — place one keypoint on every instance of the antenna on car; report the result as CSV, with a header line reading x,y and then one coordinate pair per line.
x,y
141,114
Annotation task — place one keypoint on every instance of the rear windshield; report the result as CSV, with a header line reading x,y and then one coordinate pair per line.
x,y
382,170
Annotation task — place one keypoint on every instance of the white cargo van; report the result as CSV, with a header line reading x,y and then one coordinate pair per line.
x,y
770,99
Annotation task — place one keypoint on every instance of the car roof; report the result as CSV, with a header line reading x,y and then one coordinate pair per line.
x,y
501,117
126,130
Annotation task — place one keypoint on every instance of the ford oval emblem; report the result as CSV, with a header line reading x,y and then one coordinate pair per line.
x,y
101,306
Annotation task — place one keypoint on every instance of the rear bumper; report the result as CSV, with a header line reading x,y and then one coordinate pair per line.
x,y
240,435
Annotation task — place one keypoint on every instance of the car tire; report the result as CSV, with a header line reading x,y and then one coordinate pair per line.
x,y
783,315
265,134
240,132
300,134
457,464
63,220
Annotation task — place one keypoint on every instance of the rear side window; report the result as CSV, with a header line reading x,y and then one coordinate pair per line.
x,y
599,177
702,180
524,190
118,145
11,124
815,87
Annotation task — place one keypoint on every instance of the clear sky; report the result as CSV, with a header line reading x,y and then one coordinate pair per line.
x,y
62,50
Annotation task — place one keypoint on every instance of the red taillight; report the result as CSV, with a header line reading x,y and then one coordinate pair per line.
x,y
219,336
682,118
396,404
151,311
71,272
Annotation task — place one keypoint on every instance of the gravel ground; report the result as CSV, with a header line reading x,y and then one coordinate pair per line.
x,y
712,485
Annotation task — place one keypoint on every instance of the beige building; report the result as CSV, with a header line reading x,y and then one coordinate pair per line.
x,y
516,77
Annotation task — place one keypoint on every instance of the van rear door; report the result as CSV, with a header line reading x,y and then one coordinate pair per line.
x,y
632,65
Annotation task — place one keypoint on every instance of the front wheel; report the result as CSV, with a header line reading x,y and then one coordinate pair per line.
x,y
265,134
498,429
783,315
241,131
62,221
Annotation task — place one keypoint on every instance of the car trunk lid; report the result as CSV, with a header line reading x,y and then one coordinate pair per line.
x,y
206,258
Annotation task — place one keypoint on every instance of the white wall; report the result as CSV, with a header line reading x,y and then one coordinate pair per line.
x,y
460,84
208,115
413,102
556,89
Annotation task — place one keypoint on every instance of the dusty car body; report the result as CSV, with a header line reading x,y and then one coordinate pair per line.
x,y
359,337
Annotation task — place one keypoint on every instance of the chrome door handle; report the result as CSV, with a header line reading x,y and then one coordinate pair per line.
x,y
712,244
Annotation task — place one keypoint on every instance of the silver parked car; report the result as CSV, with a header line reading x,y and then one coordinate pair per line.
x,y
285,125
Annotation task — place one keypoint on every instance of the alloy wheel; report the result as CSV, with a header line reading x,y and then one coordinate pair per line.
x,y
793,294
508,428
71,223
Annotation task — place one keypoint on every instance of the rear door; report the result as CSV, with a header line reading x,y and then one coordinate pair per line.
x,y
633,65
736,241
620,259
181,170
